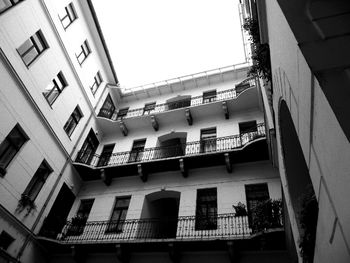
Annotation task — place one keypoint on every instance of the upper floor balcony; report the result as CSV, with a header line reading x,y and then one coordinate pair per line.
x,y
247,146
242,96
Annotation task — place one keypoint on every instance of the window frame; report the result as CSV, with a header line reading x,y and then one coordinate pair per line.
x,y
73,118
149,107
206,222
12,4
67,15
97,82
40,36
85,52
116,226
38,180
104,109
208,140
59,88
209,96
11,144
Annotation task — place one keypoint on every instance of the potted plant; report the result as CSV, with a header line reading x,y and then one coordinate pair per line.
x,y
25,202
240,209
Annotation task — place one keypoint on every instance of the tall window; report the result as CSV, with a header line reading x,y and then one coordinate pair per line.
x,y
10,146
137,150
106,154
118,215
87,151
209,96
206,209
84,52
122,113
255,194
97,83
7,4
248,131
73,121
149,107
208,140
108,108
54,89
69,16
32,48
38,180
77,225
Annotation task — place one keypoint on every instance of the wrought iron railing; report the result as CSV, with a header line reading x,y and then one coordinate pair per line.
x,y
220,144
227,226
192,101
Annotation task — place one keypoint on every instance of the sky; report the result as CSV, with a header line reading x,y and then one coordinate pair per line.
x,y
155,40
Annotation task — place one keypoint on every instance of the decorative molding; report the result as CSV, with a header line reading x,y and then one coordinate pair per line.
x,y
183,168
154,122
228,162
123,128
105,178
225,109
188,116
142,173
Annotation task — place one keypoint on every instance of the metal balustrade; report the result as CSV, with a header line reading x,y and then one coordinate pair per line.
x,y
217,145
227,226
188,102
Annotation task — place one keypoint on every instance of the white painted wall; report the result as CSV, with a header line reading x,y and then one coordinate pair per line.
x,y
325,147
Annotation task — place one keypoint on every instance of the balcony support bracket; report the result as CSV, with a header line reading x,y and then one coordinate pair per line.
x,y
174,253
122,254
154,122
228,162
142,173
183,168
225,109
105,178
188,116
78,255
233,252
123,128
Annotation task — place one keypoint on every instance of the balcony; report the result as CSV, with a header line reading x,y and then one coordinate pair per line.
x,y
242,147
243,96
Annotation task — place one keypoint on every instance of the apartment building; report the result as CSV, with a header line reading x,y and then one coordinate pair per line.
x,y
308,97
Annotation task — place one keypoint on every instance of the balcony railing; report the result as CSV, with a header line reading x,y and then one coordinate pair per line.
x,y
221,144
188,102
227,226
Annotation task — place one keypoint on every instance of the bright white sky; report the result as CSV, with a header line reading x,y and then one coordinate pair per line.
x,y
155,40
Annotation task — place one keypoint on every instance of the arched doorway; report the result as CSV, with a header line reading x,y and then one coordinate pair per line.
x,y
159,215
172,144
299,184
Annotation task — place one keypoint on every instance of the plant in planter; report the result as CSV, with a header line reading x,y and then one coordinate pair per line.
x,y
308,221
267,214
240,210
260,52
25,202
76,226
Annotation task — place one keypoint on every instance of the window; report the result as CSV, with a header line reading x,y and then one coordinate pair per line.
x,y
85,51
10,146
70,15
54,89
87,151
32,48
78,222
118,215
5,240
108,108
97,82
208,140
242,87
246,127
209,96
137,150
206,209
122,113
149,107
38,181
106,154
73,121
7,4
255,194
